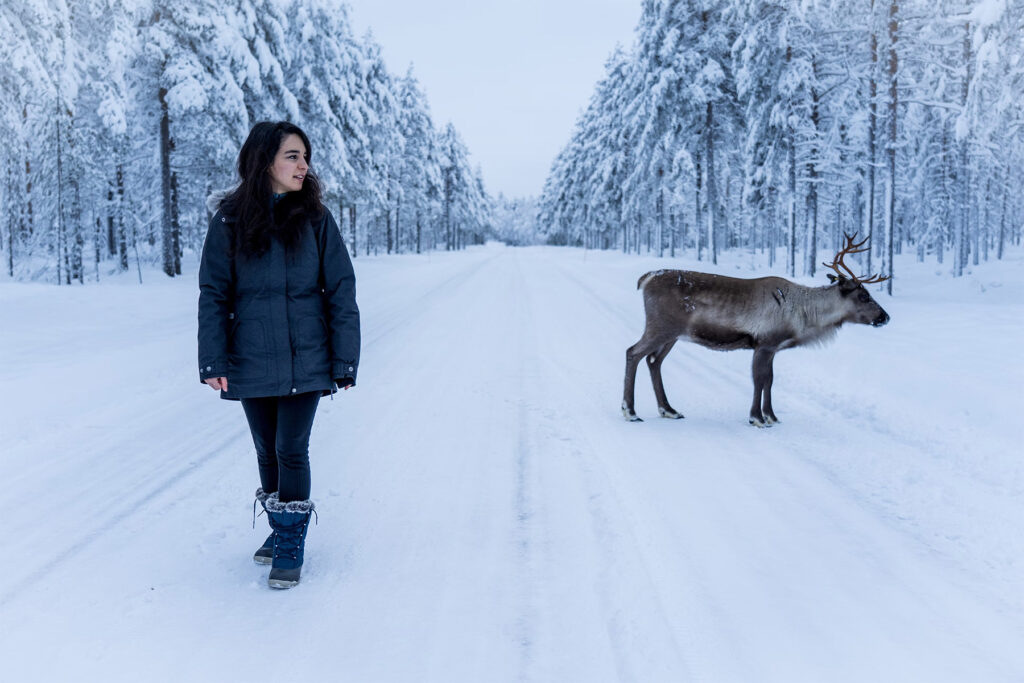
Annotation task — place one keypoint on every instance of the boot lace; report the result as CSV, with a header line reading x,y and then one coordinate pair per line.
x,y
288,540
254,515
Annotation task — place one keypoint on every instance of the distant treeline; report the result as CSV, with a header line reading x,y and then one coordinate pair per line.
x,y
764,125
119,118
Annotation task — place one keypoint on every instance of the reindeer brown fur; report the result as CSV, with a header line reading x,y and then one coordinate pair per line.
x,y
765,314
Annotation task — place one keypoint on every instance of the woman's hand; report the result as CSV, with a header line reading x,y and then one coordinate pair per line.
x,y
218,383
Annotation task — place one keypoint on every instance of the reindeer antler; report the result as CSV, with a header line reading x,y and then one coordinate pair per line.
x,y
852,247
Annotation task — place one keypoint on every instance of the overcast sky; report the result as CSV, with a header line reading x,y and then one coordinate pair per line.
x,y
511,75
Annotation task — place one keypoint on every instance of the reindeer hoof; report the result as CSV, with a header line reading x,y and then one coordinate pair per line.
x,y
760,424
631,418
670,414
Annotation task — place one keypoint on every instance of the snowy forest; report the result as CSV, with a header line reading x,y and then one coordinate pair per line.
x,y
728,124
782,125
126,115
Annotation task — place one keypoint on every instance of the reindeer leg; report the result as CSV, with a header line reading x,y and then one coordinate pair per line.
x,y
769,414
633,355
761,369
654,361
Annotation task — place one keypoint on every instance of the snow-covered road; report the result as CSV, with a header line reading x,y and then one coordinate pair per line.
x,y
485,513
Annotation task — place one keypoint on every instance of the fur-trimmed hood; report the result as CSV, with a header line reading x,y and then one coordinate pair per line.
x,y
217,198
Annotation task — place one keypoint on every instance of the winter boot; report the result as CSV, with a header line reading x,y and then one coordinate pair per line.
x,y
265,554
290,522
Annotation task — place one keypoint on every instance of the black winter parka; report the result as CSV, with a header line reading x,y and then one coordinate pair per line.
x,y
282,323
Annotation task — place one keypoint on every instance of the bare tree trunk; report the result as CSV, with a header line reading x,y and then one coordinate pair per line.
x,y
976,224
965,181
10,218
135,248
341,217
96,242
673,230
984,223
622,226
698,213
448,237
167,238
661,213
76,270
943,238
60,185
681,218
869,218
890,211
709,142
27,227
175,222
1002,225
812,189
111,233
387,213
398,225
842,200
792,206
352,223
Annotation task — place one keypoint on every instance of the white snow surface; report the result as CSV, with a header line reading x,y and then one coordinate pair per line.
x,y
486,514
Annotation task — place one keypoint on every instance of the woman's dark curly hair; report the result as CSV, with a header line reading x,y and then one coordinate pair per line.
x,y
251,202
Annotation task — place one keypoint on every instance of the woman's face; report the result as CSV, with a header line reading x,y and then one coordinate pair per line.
x,y
289,167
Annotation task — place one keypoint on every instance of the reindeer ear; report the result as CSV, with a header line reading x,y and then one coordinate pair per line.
x,y
832,278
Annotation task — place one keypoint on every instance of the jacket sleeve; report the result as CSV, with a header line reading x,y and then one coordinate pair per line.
x,y
216,299
339,284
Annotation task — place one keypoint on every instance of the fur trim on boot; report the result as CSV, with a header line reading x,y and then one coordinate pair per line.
x,y
274,504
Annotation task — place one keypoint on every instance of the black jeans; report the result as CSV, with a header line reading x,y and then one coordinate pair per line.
x,y
280,427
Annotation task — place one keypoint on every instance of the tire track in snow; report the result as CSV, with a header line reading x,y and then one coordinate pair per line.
x,y
635,621
524,515
122,512
526,512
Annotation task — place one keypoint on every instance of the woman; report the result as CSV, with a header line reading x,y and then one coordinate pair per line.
x,y
278,323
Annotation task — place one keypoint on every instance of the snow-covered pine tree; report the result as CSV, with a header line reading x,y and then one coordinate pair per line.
x,y
327,82
453,174
27,123
201,70
105,31
384,142
419,170
126,115
825,93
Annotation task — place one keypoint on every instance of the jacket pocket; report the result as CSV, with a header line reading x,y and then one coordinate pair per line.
x,y
249,352
311,347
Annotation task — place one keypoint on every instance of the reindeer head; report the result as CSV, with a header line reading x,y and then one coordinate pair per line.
x,y
862,308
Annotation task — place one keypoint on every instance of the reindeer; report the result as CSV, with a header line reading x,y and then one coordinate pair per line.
x,y
765,314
